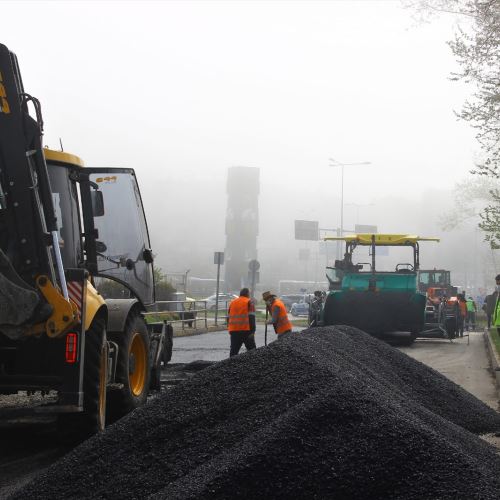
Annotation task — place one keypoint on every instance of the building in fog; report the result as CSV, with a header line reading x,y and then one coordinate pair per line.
x,y
242,224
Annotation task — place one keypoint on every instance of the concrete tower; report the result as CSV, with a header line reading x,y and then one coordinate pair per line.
x,y
242,224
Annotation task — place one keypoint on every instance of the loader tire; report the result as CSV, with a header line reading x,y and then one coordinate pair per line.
x,y
168,346
133,368
79,426
155,382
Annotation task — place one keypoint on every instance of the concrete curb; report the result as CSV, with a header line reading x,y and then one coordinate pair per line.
x,y
494,357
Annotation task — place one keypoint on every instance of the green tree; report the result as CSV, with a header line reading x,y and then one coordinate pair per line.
x,y
110,289
469,199
163,288
477,48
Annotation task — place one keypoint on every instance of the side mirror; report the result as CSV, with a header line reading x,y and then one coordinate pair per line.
x,y
100,246
97,203
148,256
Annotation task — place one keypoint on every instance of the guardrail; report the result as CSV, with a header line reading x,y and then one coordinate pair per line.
x,y
188,312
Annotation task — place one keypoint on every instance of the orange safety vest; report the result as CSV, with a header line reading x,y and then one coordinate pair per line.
x,y
463,308
238,319
283,325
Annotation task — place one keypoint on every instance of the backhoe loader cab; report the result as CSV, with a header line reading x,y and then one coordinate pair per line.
x,y
376,301
62,225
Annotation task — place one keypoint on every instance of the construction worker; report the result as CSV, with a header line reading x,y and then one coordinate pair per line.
x,y
315,306
241,322
279,315
462,306
489,305
471,314
496,310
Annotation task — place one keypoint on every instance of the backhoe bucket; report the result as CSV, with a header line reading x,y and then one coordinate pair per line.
x,y
17,301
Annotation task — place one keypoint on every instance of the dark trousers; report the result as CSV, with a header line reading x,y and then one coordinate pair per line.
x,y
471,320
461,324
240,338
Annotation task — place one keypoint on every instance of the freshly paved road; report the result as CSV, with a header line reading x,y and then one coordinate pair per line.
x,y
466,364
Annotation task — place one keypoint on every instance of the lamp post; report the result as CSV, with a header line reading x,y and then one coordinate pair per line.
x,y
336,163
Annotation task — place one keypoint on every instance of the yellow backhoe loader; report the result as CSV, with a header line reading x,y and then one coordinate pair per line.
x,y
62,227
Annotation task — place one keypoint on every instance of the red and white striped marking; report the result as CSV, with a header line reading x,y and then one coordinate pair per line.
x,y
75,292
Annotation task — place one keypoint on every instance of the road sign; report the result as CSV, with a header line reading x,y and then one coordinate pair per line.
x,y
219,258
307,230
364,229
254,265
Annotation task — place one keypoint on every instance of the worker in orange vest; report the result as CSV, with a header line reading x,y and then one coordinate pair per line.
x,y
462,305
279,316
241,322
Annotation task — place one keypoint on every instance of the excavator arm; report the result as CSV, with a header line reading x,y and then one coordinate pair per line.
x,y
28,225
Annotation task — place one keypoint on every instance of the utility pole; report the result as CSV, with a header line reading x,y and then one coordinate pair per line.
x,y
219,260
335,163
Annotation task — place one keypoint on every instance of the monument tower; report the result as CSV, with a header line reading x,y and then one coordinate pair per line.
x,y
242,224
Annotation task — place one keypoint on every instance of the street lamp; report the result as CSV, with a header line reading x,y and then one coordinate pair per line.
x,y
335,163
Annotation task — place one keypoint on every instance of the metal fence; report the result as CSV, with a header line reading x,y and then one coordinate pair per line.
x,y
188,313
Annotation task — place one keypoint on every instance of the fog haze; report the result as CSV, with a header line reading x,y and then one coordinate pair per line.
x,y
181,91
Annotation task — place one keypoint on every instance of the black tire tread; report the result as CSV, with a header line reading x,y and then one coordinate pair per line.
x,y
122,401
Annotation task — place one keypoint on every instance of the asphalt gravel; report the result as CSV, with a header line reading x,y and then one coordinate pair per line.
x,y
325,413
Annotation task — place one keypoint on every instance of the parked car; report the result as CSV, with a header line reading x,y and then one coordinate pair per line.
x,y
224,300
300,309
288,300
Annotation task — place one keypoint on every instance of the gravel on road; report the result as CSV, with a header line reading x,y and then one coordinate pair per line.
x,y
326,413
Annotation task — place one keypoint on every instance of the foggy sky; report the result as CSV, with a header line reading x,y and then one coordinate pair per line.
x,y
181,91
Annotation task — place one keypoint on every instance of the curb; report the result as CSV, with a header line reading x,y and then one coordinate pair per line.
x,y
494,358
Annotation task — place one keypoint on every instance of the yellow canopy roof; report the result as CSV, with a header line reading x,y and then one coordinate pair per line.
x,y
62,157
382,239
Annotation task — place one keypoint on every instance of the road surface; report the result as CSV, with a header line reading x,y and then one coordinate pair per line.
x,y
213,346
467,365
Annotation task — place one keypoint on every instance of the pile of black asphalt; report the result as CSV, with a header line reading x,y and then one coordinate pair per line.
x,y
326,413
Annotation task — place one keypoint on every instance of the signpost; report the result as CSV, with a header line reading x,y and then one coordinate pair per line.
x,y
219,260
307,230
253,274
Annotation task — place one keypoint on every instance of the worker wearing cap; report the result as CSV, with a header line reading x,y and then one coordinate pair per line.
x,y
241,322
279,316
